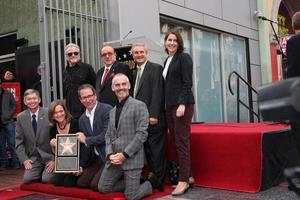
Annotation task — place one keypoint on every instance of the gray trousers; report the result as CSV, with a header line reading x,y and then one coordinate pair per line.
x,y
38,173
111,181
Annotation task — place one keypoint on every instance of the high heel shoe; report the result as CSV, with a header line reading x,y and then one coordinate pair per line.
x,y
181,191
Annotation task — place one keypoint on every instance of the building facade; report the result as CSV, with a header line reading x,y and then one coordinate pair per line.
x,y
221,36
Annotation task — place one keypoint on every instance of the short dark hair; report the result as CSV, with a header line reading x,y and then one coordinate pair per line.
x,y
52,107
84,86
296,21
179,41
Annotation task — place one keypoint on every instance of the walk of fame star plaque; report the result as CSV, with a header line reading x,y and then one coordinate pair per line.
x,y
66,153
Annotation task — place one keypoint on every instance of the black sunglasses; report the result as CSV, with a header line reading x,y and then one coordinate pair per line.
x,y
73,53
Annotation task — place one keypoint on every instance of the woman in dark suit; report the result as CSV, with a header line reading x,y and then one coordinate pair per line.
x,y
179,99
61,122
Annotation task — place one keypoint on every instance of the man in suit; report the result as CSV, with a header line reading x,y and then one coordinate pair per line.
x,y
76,74
106,74
293,70
149,88
126,134
93,125
33,140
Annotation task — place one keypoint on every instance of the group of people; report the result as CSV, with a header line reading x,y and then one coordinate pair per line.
x,y
118,116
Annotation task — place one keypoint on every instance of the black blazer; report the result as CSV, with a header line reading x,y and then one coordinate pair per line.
x,y
179,80
104,93
151,89
293,54
95,137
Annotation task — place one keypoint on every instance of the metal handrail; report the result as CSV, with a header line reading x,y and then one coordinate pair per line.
x,y
239,101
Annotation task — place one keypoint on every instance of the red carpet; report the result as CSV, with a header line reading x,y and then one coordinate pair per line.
x,y
12,192
84,193
228,156
224,156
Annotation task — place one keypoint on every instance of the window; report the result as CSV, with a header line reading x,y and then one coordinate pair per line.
x,y
215,56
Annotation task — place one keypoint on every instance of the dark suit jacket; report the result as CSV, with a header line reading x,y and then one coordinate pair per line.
x,y
73,78
96,137
179,80
29,145
151,89
104,93
130,135
293,54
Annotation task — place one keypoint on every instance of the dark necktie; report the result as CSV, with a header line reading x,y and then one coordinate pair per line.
x,y
34,124
105,75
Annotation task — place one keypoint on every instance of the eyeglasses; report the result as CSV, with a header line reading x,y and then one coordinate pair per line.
x,y
107,54
73,53
88,97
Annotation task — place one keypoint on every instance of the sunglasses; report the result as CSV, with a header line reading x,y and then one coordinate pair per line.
x,y
73,53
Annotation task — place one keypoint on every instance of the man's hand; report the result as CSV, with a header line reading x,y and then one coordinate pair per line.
x,y
180,110
153,121
117,159
50,166
28,164
81,137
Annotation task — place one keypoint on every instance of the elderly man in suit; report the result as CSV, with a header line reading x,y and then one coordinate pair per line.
x,y
126,134
106,74
149,88
93,125
33,140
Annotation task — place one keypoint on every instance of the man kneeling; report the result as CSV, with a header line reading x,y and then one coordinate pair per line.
x,y
127,131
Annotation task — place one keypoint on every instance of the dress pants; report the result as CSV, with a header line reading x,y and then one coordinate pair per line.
x,y
91,175
180,130
115,179
156,149
38,173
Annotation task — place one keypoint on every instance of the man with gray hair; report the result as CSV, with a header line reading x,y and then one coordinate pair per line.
x,y
33,140
76,74
149,88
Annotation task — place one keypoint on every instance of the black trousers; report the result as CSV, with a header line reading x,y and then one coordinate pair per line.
x,y
156,149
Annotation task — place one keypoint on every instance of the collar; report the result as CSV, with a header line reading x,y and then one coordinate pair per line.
x,y
36,113
142,67
89,114
121,104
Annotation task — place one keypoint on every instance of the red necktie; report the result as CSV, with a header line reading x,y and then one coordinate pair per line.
x,y
105,75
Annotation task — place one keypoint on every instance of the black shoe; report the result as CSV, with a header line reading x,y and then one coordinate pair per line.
x,y
155,182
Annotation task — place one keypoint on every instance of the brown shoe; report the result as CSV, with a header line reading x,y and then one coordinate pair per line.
x,y
181,188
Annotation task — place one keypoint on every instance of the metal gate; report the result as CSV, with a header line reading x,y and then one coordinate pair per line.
x,y
63,21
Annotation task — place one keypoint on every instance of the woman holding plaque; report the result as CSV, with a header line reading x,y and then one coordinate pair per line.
x,y
61,122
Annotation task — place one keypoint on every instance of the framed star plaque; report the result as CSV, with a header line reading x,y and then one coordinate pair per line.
x,y
66,153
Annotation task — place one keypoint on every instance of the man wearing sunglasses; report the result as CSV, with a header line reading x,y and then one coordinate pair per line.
x,y
106,74
75,75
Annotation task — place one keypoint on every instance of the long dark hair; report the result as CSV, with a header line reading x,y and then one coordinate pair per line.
x,y
179,41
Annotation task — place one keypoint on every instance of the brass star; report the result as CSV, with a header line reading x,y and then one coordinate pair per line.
x,y
67,146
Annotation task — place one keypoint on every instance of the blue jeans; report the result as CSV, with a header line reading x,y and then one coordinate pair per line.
x,y
7,137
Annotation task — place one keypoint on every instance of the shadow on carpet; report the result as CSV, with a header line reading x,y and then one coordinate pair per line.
x,y
84,193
